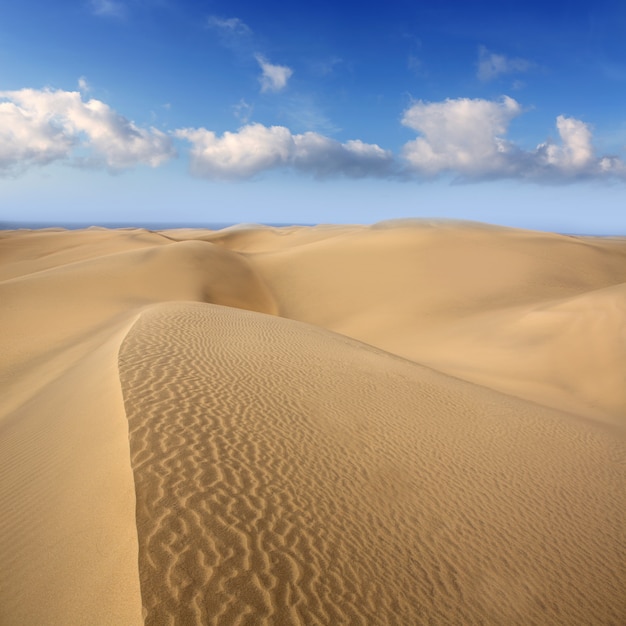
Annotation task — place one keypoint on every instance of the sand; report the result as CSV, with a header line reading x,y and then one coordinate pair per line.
x,y
410,423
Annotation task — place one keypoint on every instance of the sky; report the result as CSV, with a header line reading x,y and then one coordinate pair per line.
x,y
510,112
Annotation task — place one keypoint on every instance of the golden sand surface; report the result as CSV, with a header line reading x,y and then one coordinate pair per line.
x,y
416,422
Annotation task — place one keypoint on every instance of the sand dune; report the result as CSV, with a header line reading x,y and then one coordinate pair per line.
x,y
447,295
25,252
416,422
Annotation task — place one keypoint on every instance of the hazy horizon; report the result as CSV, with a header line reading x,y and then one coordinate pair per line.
x,y
156,226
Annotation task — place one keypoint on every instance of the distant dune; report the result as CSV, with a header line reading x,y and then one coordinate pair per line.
x,y
417,422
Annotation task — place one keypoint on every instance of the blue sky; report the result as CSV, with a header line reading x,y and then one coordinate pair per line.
x,y
138,111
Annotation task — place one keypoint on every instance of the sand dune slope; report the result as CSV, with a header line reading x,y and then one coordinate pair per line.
x,y
66,303
28,251
440,293
568,353
261,238
67,535
288,475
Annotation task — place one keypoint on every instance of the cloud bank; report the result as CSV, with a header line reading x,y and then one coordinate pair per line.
x,y
38,127
462,138
256,148
467,138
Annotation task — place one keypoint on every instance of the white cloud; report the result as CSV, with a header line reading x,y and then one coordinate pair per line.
x,y
468,138
575,153
108,8
256,148
575,157
460,135
41,126
28,137
243,154
273,77
491,65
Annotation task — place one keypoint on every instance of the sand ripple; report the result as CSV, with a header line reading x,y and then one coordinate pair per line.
x,y
287,475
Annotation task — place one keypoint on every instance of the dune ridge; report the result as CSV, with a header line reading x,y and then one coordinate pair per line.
x,y
68,536
414,422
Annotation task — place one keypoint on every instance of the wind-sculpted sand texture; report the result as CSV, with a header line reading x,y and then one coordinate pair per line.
x,y
288,475
285,474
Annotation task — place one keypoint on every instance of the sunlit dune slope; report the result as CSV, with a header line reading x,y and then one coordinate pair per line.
x,y
450,295
28,251
68,540
67,301
288,475
568,352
